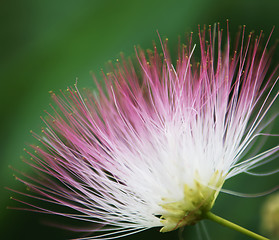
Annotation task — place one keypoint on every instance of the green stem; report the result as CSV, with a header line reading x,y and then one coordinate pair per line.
x,y
226,223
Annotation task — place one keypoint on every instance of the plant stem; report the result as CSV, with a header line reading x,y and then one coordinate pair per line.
x,y
226,223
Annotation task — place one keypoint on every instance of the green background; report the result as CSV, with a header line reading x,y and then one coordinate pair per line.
x,y
46,45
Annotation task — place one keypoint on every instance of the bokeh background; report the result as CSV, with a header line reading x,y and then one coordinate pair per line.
x,y
46,45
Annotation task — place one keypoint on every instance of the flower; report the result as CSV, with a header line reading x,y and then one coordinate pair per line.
x,y
270,216
155,145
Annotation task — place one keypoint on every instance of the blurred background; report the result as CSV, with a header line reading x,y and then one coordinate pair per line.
x,y
47,45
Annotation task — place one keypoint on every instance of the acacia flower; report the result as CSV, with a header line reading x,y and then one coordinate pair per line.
x,y
155,145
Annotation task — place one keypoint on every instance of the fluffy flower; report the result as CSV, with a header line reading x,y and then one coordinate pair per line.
x,y
155,145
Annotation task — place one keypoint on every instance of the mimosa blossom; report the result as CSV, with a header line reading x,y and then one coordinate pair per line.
x,y
154,146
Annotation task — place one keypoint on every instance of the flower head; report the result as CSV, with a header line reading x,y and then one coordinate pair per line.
x,y
155,145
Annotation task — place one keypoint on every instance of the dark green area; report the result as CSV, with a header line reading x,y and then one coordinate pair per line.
x,y
46,45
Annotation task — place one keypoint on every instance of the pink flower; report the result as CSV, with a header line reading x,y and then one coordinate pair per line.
x,y
154,146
